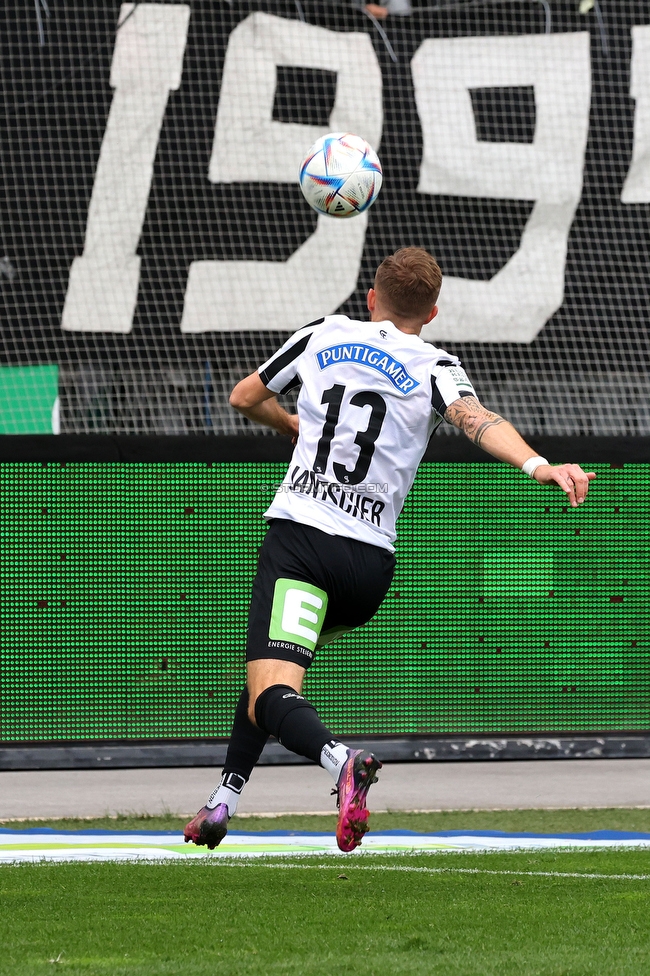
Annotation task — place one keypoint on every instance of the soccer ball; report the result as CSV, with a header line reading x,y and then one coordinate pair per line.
x,y
340,175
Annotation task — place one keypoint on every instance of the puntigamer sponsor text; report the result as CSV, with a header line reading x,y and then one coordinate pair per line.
x,y
373,358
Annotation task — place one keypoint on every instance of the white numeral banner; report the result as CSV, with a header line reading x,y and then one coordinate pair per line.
x,y
250,146
147,65
517,302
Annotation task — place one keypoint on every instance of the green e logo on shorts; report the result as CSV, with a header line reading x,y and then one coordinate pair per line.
x,y
298,612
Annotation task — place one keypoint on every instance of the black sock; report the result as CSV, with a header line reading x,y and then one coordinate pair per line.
x,y
293,720
246,741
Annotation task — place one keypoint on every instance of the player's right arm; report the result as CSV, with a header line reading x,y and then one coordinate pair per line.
x,y
255,401
499,438
255,395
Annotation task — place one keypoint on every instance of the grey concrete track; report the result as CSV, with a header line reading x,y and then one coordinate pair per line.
x,y
276,789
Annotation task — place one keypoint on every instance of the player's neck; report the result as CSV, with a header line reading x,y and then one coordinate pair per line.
x,y
409,326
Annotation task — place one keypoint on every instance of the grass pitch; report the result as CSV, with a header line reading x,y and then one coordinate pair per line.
x,y
531,914
375,915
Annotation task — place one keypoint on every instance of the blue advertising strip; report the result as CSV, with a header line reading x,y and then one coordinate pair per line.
x,y
46,844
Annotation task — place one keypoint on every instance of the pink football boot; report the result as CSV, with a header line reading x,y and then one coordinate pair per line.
x,y
357,776
209,827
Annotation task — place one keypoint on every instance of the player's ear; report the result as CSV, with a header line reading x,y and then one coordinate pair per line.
x,y
434,312
371,299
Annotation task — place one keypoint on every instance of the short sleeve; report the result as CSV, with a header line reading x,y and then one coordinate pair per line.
x,y
280,373
448,384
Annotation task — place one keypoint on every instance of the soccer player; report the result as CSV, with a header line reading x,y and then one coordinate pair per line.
x,y
372,393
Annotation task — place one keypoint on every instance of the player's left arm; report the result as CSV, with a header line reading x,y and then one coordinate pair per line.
x,y
499,438
255,401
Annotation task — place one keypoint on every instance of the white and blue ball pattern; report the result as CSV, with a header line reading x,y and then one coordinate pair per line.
x,y
340,175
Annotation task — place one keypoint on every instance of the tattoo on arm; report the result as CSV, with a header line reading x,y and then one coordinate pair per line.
x,y
472,418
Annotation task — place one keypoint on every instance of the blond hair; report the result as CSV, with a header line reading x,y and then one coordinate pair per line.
x,y
408,282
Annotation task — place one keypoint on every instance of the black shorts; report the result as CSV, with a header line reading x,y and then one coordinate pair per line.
x,y
310,588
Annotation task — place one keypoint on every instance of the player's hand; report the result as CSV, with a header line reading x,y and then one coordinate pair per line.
x,y
569,477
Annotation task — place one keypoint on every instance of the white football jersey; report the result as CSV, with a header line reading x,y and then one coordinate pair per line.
x,y
371,397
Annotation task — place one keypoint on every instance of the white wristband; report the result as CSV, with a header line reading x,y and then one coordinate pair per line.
x,y
530,466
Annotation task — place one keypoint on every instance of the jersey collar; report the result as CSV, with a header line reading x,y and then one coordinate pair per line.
x,y
398,332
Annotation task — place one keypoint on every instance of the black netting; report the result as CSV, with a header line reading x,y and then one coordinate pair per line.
x,y
155,263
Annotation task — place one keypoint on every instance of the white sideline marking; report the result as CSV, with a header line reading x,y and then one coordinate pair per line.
x,y
162,857
419,870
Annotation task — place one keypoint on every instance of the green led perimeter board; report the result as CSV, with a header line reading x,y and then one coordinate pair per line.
x,y
126,588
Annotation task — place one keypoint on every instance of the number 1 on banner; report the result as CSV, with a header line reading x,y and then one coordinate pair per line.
x,y
147,65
